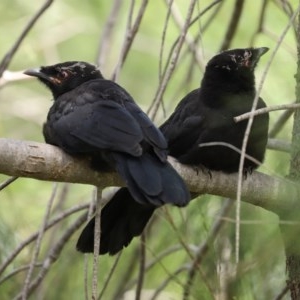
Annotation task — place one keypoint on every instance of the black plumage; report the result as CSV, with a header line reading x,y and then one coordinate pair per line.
x,y
206,115
95,117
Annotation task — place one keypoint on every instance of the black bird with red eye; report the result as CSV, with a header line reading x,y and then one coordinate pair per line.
x,y
95,117
205,115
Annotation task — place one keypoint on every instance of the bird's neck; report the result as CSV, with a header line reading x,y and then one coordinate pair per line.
x,y
216,90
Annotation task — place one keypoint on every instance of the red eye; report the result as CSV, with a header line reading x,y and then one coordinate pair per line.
x,y
63,74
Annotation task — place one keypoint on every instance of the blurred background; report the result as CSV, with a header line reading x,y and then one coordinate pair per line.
x,y
95,31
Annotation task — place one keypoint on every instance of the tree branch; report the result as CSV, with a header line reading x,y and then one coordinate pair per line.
x,y
46,162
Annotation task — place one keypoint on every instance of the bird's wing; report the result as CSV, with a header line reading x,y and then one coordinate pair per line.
x,y
151,133
185,123
109,126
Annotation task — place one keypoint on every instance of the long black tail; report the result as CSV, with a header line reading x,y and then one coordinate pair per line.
x,y
151,181
122,218
151,184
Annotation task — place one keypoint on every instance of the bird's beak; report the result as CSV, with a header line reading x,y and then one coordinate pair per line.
x,y
256,54
261,51
37,73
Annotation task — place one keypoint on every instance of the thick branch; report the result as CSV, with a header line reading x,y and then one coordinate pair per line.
x,y
45,162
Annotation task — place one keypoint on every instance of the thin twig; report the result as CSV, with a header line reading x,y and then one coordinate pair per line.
x,y
260,22
97,238
9,55
171,60
105,41
175,55
204,247
34,236
130,35
234,21
39,242
163,285
281,121
260,111
282,293
111,272
179,237
247,132
210,144
279,145
141,275
7,182
53,254
17,271
163,39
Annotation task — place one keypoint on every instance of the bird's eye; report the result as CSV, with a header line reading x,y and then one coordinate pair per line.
x,y
63,74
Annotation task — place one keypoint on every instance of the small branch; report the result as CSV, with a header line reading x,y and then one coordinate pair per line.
x,y
9,55
203,249
142,262
105,42
34,236
172,64
97,235
53,254
235,18
130,35
265,110
281,121
7,182
279,145
38,244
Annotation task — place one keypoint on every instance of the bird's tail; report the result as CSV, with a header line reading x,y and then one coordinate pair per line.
x,y
151,181
151,184
122,218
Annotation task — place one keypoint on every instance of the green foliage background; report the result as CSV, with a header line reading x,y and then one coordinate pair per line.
x,y
71,30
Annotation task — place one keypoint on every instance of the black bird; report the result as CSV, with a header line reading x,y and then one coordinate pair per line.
x,y
205,115
95,117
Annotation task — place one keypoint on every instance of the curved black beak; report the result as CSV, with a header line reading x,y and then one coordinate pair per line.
x,y
261,51
37,73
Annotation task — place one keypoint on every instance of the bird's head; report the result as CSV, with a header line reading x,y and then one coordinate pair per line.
x,y
63,77
235,66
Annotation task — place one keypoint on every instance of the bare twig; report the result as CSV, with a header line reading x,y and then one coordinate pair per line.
x,y
279,145
204,247
97,235
260,22
34,236
38,243
53,254
7,182
282,293
164,284
284,117
105,41
175,55
17,271
248,129
265,110
234,21
130,35
111,272
9,55
142,262
210,144
9,76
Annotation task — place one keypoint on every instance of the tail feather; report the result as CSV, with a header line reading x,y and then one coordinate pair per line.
x,y
150,181
150,184
122,218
